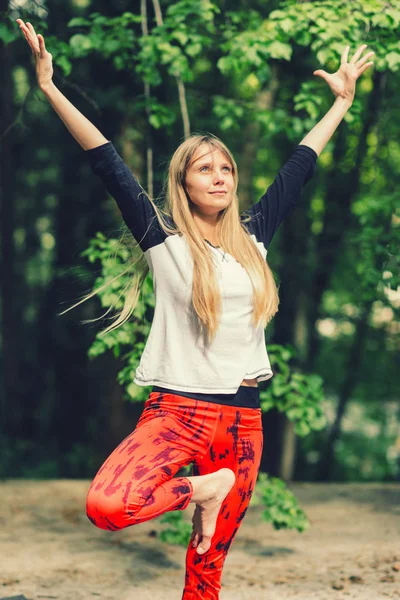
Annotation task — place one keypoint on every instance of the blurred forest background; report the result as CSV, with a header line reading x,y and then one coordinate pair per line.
x,y
147,74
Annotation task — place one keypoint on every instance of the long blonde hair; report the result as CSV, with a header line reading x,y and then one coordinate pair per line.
x,y
176,218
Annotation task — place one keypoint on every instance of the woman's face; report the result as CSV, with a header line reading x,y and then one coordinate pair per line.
x,y
209,172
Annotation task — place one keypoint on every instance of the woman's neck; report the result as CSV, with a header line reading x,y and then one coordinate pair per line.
x,y
207,228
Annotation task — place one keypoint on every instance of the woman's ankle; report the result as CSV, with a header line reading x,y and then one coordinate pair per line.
x,y
202,486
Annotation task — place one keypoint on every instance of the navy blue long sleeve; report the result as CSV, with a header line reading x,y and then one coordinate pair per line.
x,y
282,195
136,209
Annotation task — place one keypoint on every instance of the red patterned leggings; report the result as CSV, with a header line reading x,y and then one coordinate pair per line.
x,y
136,483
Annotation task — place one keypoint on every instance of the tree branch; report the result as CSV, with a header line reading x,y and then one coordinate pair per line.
x,y
179,82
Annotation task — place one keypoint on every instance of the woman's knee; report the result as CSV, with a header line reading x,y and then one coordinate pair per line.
x,y
103,510
111,512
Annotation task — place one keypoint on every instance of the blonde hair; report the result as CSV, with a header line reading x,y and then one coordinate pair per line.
x,y
176,218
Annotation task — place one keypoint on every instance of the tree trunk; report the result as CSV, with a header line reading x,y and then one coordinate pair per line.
x,y
286,467
121,415
265,100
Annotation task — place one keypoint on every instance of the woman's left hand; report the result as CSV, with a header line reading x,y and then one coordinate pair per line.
x,y
343,82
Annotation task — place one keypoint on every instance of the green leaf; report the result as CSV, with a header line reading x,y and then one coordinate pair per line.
x,y
301,428
287,25
155,121
280,50
393,60
281,506
267,404
80,44
276,15
193,49
382,20
294,413
65,64
119,62
8,35
181,36
78,22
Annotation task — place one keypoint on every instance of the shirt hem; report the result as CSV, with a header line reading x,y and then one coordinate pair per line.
x,y
263,376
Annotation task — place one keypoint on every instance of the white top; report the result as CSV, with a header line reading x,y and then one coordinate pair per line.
x,y
175,355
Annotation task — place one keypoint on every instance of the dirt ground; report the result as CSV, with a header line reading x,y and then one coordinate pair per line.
x,y
49,549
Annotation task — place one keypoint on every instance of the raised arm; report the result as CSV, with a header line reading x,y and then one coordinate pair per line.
x,y
133,202
85,133
282,195
343,86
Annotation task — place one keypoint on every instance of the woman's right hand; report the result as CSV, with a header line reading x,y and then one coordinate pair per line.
x,y
43,59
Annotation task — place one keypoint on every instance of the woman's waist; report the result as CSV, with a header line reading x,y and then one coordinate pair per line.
x,y
245,396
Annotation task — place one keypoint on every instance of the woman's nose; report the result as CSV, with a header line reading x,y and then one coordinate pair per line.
x,y
219,176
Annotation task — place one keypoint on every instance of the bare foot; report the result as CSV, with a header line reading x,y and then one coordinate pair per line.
x,y
209,491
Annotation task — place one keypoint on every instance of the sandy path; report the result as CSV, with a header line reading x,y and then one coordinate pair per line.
x,y
48,549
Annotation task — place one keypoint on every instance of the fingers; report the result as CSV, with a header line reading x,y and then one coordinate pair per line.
x,y
365,68
204,545
345,54
32,32
364,59
31,29
201,542
42,45
30,35
360,63
24,29
358,53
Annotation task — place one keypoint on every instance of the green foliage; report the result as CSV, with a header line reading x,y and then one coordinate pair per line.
x,y
377,242
357,459
184,35
8,32
160,115
113,37
297,395
178,532
112,256
128,340
253,43
367,449
308,100
281,506
195,12
23,458
229,111
249,43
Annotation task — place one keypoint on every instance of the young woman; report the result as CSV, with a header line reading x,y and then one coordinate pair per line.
x,y
205,353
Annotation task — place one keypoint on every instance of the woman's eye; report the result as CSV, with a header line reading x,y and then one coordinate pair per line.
x,y
206,167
